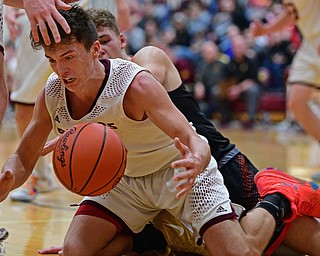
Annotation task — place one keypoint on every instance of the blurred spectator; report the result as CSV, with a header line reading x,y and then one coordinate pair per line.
x,y
279,55
181,33
199,19
209,74
230,12
240,83
182,28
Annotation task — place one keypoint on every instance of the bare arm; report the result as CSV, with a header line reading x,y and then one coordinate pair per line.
x,y
288,17
3,89
20,164
123,15
159,108
159,63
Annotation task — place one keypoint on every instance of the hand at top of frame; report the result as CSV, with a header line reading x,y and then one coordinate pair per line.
x,y
41,12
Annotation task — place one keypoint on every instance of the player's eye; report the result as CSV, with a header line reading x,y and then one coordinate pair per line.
x,y
69,57
103,42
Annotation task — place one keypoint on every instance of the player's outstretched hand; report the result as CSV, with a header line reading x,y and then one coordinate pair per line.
x,y
7,180
51,250
191,165
42,12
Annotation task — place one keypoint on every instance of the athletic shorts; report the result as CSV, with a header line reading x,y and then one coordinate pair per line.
x,y
137,200
32,69
238,174
305,68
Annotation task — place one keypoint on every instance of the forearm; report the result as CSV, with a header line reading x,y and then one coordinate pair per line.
x,y
123,15
3,90
14,3
201,150
284,20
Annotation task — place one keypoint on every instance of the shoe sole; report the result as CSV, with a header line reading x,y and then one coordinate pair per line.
x,y
3,234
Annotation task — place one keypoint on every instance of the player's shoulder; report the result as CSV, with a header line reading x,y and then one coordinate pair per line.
x,y
53,85
53,78
148,51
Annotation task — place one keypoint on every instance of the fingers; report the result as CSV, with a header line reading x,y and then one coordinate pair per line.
x,y
186,177
49,146
43,30
6,176
184,188
64,5
51,250
40,18
181,147
188,163
6,182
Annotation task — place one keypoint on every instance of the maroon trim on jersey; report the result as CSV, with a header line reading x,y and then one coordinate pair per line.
x,y
92,208
106,64
216,220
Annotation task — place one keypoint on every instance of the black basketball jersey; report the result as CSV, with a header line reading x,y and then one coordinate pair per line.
x,y
184,101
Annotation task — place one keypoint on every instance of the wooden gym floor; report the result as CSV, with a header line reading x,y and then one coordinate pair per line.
x,y
44,222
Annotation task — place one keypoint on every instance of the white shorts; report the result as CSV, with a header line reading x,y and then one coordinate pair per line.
x,y
137,200
305,68
32,69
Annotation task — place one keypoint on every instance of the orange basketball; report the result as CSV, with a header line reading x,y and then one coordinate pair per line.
x,y
89,159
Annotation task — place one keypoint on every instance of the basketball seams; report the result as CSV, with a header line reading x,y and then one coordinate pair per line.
x,y
89,160
98,159
71,154
120,169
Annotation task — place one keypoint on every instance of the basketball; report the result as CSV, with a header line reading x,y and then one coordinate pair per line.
x,y
89,159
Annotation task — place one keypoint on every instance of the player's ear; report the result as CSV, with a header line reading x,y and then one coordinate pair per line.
x,y
96,49
123,41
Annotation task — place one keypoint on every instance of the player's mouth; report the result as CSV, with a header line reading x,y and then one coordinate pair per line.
x,y
68,80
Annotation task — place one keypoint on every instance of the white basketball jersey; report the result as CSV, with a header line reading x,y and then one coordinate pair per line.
x,y
149,149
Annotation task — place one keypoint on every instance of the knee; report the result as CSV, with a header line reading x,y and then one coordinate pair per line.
x,y
69,250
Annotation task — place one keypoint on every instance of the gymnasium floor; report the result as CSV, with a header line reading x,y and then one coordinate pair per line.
x,y
44,222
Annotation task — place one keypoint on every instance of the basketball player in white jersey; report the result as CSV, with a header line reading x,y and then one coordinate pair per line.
x,y
28,83
113,44
304,75
169,166
37,11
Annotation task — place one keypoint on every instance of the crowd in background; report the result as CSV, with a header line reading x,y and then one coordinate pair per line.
x,y
210,43
202,38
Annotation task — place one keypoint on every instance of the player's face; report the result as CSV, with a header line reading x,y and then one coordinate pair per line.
x,y
73,64
112,45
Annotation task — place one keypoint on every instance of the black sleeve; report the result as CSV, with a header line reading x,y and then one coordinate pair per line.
x,y
185,102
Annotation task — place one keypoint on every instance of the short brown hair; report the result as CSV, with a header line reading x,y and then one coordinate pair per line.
x,y
104,18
